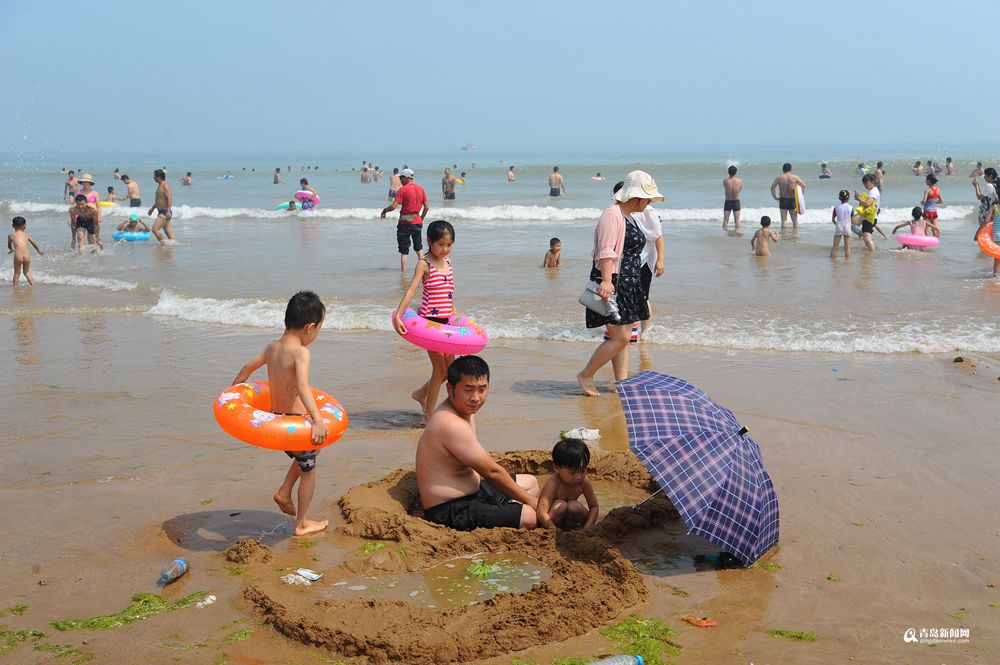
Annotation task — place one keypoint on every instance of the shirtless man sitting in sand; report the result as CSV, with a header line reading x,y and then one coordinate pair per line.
x,y
461,486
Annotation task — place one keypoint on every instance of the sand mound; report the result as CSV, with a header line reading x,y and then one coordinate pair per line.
x,y
248,550
591,583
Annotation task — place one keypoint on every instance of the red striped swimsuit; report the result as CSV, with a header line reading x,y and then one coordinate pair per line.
x,y
439,292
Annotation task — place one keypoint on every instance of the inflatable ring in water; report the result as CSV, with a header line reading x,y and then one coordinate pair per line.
x,y
243,412
460,336
986,242
131,236
108,204
307,198
284,206
909,240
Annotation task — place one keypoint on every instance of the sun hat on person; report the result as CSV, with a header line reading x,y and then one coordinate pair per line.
x,y
405,173
86,177
638,185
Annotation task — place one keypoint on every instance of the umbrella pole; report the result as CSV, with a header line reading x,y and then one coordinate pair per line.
x,y
636,506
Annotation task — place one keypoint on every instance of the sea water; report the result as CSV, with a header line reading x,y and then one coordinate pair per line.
x,y
238,259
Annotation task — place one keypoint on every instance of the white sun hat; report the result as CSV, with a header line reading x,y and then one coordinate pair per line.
x,y
638,185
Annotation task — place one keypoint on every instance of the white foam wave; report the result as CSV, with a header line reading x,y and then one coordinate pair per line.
x,y
265,313
748,335
82,280
508,215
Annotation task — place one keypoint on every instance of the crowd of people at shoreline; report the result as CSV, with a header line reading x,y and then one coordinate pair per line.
x,y
461,486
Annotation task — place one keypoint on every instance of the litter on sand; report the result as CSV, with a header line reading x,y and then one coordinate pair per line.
x,y
293,579
582,433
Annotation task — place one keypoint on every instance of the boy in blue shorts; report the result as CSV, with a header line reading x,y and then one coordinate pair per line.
x,y
287,360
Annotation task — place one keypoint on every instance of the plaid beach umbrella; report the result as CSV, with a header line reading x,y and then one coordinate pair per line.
x,y
705,462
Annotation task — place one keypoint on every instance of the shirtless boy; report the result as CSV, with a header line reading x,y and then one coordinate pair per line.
x,y
559,502
785,185
733,187
287,360
759,242
163,205
461,485
17,243
552,256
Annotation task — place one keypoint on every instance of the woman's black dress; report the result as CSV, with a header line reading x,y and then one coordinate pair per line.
x,y
628,285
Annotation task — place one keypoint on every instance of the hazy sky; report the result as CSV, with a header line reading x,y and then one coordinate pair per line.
x,y
259,75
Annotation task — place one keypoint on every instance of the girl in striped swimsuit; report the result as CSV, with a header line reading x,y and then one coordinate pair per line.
x,y
434,272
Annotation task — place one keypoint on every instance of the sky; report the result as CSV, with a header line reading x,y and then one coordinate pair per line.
x,y
220,75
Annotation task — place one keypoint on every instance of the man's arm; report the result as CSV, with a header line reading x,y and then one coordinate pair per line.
x,y
774,185
423,213
170,201
460,441
389,208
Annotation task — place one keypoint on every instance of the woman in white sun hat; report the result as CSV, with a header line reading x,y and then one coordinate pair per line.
x,y
618,244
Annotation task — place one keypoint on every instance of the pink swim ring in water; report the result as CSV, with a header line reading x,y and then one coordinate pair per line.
x,y
460,336
910,240
308,199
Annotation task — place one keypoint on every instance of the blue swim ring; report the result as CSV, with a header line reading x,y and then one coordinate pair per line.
x,y
131,236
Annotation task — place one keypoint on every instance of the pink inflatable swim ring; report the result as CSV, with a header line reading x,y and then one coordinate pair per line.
x,y
307,198
460,336
909,240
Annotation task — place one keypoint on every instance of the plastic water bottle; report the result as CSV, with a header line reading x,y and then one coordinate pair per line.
x,y
619,660
172,571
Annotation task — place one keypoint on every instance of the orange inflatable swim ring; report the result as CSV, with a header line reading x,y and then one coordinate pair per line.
x,y
243,411
986,242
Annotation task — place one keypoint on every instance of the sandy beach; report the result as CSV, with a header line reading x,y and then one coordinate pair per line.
x,y
880,462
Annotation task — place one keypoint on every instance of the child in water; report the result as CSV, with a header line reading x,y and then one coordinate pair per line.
x,y
918,225
931,200
552,256
287,360
17,244
435,273
133,224
759,242
841,218
559,502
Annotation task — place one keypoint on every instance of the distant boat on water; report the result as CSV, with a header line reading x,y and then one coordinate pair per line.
x,y
470,146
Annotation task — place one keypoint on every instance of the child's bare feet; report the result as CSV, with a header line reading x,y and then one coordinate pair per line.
x,y
587,385
285,503
310,526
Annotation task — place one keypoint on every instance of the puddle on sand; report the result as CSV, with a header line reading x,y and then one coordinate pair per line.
x,y
613,494
449,584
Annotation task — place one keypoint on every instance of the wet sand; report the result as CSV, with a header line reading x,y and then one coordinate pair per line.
x,y
112,464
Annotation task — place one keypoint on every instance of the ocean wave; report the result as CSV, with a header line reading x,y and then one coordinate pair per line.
x,y
734,334
82,280
506,215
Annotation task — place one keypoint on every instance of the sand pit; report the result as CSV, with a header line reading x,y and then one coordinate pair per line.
x,y
591,583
